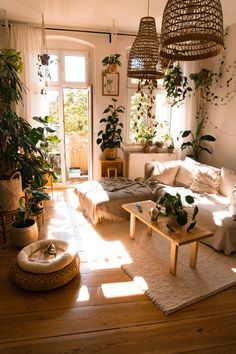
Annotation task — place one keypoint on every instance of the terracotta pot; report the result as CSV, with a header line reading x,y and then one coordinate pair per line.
x,y
110,153
112,68
146,149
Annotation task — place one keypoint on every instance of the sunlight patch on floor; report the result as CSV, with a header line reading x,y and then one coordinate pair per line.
x,y
83,294
121,289
233,270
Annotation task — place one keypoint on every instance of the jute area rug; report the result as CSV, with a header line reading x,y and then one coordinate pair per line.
x,y
148,266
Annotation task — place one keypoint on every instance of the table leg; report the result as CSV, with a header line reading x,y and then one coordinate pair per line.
x,y
173,258
193,254
149,231
132,226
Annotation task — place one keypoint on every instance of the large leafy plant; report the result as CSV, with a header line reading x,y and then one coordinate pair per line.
x,y
19,148
111,136
196,142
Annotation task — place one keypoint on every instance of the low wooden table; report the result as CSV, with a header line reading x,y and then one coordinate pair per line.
x,y
178,238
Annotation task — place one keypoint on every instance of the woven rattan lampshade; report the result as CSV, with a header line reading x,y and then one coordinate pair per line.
x,y
192,29
144,59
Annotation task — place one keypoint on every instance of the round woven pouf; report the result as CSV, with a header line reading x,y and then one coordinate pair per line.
x,y
43,275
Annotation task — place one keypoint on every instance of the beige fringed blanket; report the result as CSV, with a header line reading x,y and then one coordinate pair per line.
x,y
102,199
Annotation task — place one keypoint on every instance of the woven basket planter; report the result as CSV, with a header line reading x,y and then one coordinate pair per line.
x,y
10,191
23,236
45,282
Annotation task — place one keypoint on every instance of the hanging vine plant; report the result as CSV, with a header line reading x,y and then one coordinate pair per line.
x,y
144,123
176,84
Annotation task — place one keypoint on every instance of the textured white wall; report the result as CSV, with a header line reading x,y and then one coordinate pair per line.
x,y
222,119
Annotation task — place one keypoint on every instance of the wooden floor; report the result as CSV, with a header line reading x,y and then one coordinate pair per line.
x,y
80,318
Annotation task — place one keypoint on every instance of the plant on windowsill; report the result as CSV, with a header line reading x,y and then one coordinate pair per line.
x,y
110,138
173,207
111,62
145,136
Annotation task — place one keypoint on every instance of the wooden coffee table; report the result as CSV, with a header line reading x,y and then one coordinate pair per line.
x,y
177,239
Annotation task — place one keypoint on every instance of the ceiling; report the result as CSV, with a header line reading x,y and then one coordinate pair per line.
x,y
95,14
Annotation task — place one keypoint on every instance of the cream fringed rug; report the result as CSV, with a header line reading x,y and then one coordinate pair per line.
x,y
149,268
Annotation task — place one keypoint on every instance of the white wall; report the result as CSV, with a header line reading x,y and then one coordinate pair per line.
x,y
222,119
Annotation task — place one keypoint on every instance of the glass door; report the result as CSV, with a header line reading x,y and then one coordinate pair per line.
x,y
75,106
67,96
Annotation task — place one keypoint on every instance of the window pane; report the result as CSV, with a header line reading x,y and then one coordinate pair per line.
x,y
74,68
53,148
53,68
138,113
162,117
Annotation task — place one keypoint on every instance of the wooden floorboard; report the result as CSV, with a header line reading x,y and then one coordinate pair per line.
x,y
80,318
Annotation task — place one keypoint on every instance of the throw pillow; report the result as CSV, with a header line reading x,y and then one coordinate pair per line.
x,y
206,181
165,172
228,181
184,177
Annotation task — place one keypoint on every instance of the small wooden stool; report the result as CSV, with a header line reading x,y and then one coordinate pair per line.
x,y
111,172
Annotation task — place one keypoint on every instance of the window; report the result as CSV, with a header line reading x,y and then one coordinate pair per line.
x,y
68,68
141,115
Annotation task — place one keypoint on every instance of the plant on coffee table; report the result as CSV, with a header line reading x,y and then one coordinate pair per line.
x,y
173,206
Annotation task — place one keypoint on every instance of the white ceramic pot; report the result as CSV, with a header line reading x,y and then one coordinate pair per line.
x,y
23,236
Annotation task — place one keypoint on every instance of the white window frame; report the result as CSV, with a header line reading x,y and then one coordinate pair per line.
x,y
76,84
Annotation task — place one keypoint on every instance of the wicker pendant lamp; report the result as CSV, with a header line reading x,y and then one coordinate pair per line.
x,y
192,29
144,60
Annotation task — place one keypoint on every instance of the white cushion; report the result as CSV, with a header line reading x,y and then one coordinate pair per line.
x,y
228,181
206,181
184,177
232,206
32,258
165,172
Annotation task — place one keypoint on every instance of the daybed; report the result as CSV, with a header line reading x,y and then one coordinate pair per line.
x,y
211,187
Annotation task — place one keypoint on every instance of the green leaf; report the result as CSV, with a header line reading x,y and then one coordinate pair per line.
x,y
208,138
191,226
205,149
182,219
186,133
189,199
199,127
195,212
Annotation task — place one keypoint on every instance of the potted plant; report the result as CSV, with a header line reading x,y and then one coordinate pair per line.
x,y
111,62
11,126
24,229
145,135
173,207
197,142
110,138
19,148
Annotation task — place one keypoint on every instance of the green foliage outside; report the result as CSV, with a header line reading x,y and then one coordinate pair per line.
x,y
139,114
76,111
